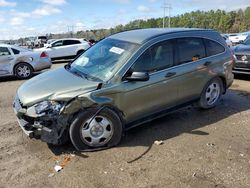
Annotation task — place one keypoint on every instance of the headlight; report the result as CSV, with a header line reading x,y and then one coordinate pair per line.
x,y
46,106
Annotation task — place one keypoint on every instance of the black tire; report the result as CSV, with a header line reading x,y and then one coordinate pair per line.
x,y
23,75
80,52
207,102
83,122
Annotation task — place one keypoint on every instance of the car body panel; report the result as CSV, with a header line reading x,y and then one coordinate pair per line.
x,y
29,94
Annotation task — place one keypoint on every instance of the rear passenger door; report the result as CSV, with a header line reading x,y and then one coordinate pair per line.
x,y
70,47
192,67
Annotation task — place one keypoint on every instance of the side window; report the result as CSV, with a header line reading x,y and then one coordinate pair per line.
x,y
71,42
156,58
4,51
15,51
189,49
213,48
57,43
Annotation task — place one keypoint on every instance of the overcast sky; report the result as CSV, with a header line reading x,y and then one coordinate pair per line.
x,y
21,18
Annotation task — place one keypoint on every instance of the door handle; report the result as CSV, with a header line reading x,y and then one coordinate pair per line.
x,y
207,63
170,74
10,58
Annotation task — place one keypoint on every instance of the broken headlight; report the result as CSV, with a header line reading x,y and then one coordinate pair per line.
x,y
47,106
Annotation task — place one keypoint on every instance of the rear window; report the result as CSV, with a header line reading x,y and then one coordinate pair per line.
x,y
71,42
15,51
190,49
213,47
42,37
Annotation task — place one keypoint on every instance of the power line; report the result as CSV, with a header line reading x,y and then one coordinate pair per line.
x,y
168,7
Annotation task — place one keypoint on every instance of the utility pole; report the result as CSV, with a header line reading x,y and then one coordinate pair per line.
x,y
166,6
71,30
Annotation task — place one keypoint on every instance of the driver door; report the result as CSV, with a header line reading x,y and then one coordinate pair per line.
x,y
5,60
143,98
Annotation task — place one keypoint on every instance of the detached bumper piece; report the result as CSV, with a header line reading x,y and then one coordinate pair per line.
x,y
48,131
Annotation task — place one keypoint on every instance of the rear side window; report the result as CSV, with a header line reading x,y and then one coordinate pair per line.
x,y
189,49
4,51
213,47
71,42
15,51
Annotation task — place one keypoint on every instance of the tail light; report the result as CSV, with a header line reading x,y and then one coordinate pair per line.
x,y
44,55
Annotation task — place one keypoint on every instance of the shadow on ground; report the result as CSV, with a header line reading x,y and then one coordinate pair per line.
x,y
186,120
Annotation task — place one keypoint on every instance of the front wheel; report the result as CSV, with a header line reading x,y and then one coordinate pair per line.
x,y
23,70
211,94
90,131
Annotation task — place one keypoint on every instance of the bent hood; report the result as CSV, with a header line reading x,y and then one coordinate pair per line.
x,y
242,49
58,84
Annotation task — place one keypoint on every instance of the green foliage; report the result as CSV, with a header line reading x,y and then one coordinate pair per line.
x,y
225,22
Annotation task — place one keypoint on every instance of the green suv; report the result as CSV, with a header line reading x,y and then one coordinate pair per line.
x,y
125,80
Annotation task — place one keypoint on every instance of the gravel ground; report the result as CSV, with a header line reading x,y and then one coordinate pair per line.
x,y
200,149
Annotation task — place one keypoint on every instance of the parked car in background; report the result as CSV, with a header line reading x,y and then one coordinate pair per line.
x,y
237,38
40,41
67,48
242,53
122,81
21,62
49,42
228,41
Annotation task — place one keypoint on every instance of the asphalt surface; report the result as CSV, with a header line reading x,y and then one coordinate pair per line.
x,y
200,149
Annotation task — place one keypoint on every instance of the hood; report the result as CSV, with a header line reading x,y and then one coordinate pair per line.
x,y
58,84
242,48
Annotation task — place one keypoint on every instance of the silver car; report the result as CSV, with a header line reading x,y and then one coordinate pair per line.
x,y
21,62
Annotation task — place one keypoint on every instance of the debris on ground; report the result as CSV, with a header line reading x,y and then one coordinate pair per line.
x,y
51,175
158,142
60,164
194,174
58,168
211,144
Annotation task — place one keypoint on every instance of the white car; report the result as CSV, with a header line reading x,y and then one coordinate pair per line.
x,y
65,48
21,62
237,38
228,41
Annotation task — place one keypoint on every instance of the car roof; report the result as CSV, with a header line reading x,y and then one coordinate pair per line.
x,y
6,45
68,39
142,35
15,47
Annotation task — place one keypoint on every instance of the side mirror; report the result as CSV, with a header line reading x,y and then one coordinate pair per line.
x,y
49,46
138,76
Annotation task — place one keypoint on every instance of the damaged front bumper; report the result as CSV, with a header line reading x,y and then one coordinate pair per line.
x,y
49,128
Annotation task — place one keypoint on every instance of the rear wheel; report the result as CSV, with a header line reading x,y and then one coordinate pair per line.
x,y
23,70
211,94
79,52
91,132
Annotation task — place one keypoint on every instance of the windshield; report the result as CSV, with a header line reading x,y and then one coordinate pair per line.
x,y
104,59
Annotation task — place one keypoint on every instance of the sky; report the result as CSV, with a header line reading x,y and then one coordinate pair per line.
x,y
22,18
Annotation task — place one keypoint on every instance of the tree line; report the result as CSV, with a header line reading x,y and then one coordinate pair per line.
x,y
224,22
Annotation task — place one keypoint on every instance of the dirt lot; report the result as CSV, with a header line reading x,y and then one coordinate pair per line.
x,y
201,149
